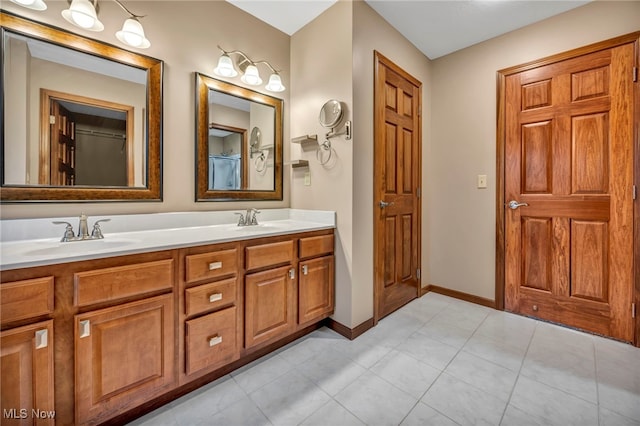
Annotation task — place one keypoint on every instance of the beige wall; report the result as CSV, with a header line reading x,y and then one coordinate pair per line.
x,y
461,218
183,34
321,70
339,64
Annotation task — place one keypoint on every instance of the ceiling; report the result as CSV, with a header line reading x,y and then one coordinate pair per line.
x,y
436,27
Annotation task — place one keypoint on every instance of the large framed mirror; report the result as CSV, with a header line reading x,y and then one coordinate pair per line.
x,y
81,119
238,143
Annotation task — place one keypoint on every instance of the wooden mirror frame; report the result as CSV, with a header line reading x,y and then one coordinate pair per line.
x,y
203,193
154,67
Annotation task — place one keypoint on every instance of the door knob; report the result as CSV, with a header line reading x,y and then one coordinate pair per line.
x,y
513,204
384,204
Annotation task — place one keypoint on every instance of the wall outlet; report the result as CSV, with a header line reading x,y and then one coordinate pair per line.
x,y
482,181
307,179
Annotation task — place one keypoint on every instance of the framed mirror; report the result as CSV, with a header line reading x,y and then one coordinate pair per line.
x,y
82,120
238,143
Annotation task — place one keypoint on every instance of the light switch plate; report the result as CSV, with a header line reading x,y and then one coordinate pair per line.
x,y
482,181
307,179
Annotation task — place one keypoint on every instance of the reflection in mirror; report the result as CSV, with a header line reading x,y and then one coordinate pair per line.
x,y
239,143
82,119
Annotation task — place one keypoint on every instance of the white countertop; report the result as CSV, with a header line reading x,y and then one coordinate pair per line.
x,y
36,242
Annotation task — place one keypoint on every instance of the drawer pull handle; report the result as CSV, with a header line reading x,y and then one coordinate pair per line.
x,y
42,337
292,273
215,265
215,297
305,269
215,341
85,328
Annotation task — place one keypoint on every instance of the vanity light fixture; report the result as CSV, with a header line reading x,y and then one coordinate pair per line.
x,y
249,69
31,4
84,14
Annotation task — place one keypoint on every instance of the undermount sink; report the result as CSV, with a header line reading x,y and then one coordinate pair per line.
x,y
78,247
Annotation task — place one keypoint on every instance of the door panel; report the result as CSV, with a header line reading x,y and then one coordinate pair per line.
x,y
396,181
569,157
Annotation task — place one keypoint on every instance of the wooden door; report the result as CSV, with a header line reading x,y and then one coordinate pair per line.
x,y
26,380
315,289
269,305
397,125
63,145
569,160
125,355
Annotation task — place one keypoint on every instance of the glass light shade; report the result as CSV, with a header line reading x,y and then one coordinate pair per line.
x,y
275,84
82,14
31,4
132,34
251,76
225,67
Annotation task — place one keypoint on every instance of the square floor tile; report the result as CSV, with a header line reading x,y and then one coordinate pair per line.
x,y
330,414
331,371
260,372
376,401
430,351
243,412
406,373
463,403
423,415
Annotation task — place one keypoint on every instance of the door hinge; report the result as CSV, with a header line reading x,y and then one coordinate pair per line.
x,y
635,192
418,273
52,119
418,192
635,74
633,310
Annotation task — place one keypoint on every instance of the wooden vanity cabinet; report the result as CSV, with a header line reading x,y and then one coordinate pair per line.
x,y
124,353
26,352
270,292
316,287
209,317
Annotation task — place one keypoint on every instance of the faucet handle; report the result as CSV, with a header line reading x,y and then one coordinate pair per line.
x,y
254,219
68,231
97,232
241,220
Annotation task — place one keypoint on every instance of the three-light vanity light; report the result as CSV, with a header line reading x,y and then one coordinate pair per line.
x,y
83,14
249,69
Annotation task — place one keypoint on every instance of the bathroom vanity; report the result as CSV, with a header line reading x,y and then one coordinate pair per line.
x,y
102,331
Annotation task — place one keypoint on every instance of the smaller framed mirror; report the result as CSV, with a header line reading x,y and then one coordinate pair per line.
x,y
238,143
331,114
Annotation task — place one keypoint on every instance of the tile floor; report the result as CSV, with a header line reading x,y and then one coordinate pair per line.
x,y
437,361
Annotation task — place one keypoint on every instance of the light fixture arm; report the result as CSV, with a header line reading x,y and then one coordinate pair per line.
x,y
246,58
133,15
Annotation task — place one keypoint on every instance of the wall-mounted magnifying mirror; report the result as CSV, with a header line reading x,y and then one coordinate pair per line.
x,y
82,119
230,164
331,114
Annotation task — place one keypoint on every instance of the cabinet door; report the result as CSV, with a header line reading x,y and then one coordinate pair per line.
x,y
315,289
269,305
211,341
26,379
125,355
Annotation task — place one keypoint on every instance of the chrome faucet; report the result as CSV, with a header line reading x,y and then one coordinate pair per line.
x,y
83,230
249,218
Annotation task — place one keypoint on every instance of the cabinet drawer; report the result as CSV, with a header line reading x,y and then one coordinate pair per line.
x,y
207,297
211,340
109,284
269,254
26,299
211,265
315,246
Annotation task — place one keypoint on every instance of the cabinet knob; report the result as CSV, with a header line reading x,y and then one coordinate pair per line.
x,y
215,265
216,340
42,339
292,273
305,269
85,328
215,297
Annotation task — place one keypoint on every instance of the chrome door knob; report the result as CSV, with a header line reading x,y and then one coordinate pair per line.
x,y
513,204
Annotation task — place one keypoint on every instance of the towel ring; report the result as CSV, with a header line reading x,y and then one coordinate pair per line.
x,y
324,146
260,163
